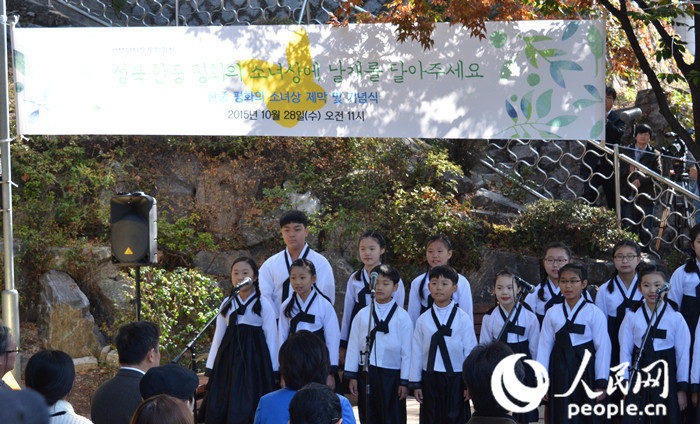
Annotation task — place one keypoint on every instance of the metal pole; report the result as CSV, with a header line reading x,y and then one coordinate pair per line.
x,y
138,293
618,200
177,12
10,298
301,12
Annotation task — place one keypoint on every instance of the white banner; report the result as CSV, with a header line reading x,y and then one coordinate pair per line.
x,y
530,79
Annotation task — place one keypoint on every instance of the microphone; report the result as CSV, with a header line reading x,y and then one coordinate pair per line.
x,y
524,284
373,280
664,288
246,281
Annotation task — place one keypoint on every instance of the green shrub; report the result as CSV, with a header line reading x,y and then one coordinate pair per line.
x,y
179,301
181,239
589,231
413,216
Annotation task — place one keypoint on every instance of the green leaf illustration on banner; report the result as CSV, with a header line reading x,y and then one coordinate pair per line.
x,y
556,68
506,71
531,53
552,52
596,43
511,111
547,134
19,86
593,90
526,105
536,38
581,103
544,103
596,130
498,39
561,121
533,79
19,62
570,30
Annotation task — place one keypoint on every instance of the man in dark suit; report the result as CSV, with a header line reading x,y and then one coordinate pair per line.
x,y
476,372
636,184
115,401
614,128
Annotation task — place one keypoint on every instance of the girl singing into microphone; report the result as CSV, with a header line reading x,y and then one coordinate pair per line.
x,y
243,354
521,334
669,340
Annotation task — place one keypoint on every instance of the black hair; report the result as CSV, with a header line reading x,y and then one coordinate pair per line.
x,y
135,340
294,217
611,91
554,245
618,245
577,269
315,403
309,266
388,271
376,235
446,241
303,358
51,373
23,407
692,265
476,373
646,268
257,307
642,129
444,271
163,409
439,237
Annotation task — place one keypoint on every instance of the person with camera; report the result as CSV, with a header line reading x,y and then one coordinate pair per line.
x,y
638,190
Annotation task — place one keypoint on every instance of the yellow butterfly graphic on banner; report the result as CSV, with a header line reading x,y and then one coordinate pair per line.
x,y
291,91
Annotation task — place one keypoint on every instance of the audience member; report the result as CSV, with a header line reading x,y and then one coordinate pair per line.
x,y
51,373
303,359
162,409
172,380
315,404
115,400
8,354
23,407
476,372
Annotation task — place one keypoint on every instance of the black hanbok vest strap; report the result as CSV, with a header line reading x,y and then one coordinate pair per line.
x,y
554,299
654,333
361,296
382,326
285,284
563,338
511,326
241,308
690,309
302,315
437,341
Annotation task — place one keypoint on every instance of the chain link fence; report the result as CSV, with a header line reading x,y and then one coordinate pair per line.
x,y
659,207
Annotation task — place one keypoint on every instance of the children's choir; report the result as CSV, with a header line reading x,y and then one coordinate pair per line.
x,y
420,350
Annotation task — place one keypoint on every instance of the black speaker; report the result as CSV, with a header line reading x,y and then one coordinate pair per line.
x,y
134,228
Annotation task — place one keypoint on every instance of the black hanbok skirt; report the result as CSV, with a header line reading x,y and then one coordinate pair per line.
x,y
385,406
523,347
652,395
242,373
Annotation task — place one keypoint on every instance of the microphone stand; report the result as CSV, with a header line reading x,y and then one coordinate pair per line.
x,y
518,300
365,366
635,363
191,345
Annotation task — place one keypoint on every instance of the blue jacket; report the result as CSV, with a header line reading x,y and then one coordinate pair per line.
x,y
273,408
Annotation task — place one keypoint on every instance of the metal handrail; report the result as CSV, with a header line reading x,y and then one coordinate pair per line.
x,y
644,169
